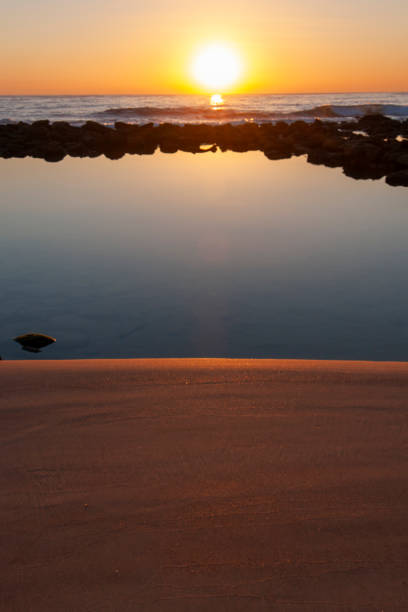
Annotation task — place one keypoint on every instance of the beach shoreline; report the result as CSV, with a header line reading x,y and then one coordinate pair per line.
x,y
208,484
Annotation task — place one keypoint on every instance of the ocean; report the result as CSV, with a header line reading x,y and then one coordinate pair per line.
x,y
216,255
184,109
213,255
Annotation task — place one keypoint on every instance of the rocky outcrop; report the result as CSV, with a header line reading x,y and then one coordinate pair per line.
x,y
373,147
34,342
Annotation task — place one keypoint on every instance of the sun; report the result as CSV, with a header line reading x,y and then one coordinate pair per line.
x,y
216,67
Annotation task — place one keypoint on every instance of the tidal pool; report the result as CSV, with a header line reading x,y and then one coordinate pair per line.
x,y
212,255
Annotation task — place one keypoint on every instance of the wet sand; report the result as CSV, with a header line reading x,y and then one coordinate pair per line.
x,y
178,485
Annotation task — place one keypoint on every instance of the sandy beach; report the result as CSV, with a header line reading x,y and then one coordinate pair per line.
x,y
178,485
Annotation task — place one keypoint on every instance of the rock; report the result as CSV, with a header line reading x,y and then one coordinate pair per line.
x,y
402,160
320,157
94,153
398,179
53,152
64,132
299,127
38,132
126,127
376,122
374,155
364,160
281,127
333,145
93,126
76,149
314,137
114,154
276,154
168,147
41,123
63,125
364,171
33,342
363,152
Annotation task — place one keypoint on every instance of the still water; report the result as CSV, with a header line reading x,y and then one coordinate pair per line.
x,y
222,254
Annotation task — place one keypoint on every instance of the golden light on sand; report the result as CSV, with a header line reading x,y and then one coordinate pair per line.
x,y
216,67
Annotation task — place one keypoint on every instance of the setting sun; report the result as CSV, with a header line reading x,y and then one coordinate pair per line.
x,y
216,67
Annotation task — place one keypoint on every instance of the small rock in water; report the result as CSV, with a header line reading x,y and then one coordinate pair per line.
x,y
34,342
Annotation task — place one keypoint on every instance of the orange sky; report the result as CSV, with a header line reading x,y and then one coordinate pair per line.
x,y
101,46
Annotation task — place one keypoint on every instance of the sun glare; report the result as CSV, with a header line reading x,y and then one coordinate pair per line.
x,y
216,100
216,67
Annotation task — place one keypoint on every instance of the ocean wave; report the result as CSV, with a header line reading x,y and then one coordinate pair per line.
x,y
196,109
360,110
210,113
206,112
227,113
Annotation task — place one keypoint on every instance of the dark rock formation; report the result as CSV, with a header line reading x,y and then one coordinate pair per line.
x,y
373,147
398,179
33,342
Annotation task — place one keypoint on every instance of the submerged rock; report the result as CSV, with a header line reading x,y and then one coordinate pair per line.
x,y
33,342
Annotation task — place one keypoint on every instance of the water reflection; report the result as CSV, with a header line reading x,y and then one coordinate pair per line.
x,y
226,255
216,101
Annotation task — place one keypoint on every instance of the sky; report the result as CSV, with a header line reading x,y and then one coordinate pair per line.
x,y
147,46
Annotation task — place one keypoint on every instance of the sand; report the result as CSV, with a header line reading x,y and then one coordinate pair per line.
x,y
178,485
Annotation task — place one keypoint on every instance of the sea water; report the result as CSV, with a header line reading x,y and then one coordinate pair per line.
x,y
192,109
218,254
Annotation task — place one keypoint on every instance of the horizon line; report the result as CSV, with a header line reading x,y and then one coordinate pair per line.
x,y
299,93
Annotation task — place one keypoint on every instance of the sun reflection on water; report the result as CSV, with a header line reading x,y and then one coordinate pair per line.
x,y
216,101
